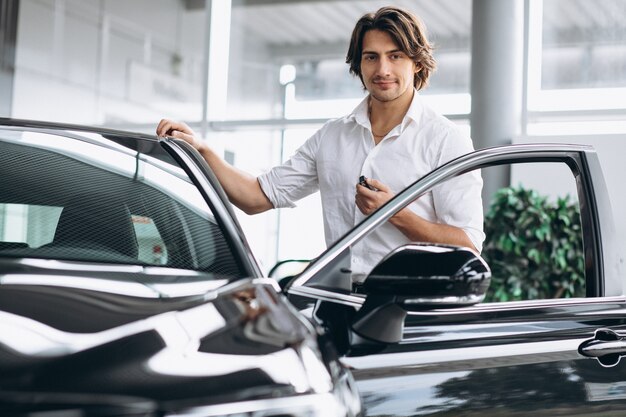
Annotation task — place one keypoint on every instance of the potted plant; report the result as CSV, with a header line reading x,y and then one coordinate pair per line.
x,y
533,246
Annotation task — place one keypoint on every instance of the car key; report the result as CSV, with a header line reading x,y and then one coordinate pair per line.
x,y
363,182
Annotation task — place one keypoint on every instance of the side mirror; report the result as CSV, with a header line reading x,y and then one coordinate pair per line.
x,y
430,275
284,271
418,276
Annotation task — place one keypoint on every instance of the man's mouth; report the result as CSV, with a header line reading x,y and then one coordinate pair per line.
x,y
384,83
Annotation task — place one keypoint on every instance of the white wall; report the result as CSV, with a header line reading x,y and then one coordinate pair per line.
x,y
76,61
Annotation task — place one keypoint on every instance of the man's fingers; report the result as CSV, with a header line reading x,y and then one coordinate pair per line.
x,y
363,190
369,200
168,127
360,207
362,203
165,126
184,136
160,127
180,135
178,130
378,185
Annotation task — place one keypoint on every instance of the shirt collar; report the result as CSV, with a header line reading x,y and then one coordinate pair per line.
x,y
414,113
415,110
360,113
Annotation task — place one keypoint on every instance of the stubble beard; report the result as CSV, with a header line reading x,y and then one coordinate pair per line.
x,y
388,95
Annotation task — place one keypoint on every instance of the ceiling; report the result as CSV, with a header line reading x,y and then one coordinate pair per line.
x,y
312,22
326,25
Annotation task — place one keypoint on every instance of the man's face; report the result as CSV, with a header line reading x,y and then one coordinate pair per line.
x,y
387,72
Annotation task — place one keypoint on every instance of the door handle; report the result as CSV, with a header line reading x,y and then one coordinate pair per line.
x,y
606,346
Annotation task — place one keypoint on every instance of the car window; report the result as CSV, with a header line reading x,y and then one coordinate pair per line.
x,y
97,201
27,225
534,242
151,247
585,244
533,231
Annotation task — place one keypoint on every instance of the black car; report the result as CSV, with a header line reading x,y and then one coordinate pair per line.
x,y
127,288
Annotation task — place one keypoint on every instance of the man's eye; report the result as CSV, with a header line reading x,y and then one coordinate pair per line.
x,y
396,56
369,57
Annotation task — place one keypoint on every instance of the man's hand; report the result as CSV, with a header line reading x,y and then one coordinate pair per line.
x,y
414,227
368,200
179,130
243,190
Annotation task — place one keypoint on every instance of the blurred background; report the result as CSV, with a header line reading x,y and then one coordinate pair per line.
x,y
256,78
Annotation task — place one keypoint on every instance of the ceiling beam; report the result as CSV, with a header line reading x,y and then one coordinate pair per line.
x,y
237,3
309,52
199,4
338,50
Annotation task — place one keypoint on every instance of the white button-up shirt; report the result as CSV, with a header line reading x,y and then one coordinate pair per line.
x,y
332,160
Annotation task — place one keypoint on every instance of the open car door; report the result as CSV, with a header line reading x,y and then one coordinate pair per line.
x,y
414,350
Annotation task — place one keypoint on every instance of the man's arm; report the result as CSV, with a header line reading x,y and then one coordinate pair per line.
x,y
418,229
242,189
414,227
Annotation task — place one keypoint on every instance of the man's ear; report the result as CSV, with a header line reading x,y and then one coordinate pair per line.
x,y
418,68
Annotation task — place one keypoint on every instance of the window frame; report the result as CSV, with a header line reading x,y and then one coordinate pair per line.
x,y
322,280
538,104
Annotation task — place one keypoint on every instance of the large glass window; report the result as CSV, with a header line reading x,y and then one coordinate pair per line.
x,y
584,44
287,61
108,62
313,37
577,67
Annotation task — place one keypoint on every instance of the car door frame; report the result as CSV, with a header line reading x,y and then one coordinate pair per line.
x,y
326,279
510,340
491,336
203,177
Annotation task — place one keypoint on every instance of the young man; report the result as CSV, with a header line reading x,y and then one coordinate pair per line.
x,y
392,138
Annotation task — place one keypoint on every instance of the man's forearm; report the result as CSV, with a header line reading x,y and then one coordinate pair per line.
x,y
419,229
242,189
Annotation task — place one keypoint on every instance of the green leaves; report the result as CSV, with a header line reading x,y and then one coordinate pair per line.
x,y
534,247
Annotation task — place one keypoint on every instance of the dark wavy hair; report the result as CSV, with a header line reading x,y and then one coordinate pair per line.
x,y
406,30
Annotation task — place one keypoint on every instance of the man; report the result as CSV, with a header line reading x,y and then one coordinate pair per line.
x,y
392,138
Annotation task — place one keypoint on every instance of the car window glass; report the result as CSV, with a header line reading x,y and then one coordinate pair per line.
x,y
27,225
91,199
533,242
152,248
533,234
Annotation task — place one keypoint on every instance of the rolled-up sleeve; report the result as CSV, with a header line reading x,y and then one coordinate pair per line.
x,y
458,201
296,178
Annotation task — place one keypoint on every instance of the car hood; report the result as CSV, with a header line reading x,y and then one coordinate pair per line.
x,y
61,344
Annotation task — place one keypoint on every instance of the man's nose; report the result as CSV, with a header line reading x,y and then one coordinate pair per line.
x,y
384,66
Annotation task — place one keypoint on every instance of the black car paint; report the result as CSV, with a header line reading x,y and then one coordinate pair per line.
x,y
523,360
98,339
114,345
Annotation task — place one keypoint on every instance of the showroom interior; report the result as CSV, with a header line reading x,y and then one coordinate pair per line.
x,y
255,78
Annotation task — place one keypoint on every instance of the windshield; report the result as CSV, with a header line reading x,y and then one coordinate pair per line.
x,y
85,197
